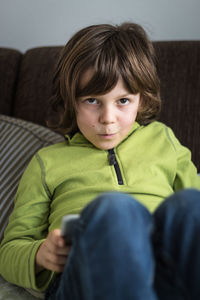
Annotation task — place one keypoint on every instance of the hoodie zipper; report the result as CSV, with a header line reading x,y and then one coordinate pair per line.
x,y
113,162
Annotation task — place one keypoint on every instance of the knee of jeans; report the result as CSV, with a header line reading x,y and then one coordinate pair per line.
x,y
116,205
185,202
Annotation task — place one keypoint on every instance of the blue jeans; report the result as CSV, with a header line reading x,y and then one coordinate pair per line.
x,y
122,252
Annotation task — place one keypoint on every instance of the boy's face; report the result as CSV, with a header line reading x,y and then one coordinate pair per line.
x,y
105,120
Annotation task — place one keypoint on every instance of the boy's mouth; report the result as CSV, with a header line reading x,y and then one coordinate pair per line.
x,y
107,135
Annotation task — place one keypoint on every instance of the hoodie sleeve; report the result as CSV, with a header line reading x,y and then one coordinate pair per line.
x,y
186,172
26,230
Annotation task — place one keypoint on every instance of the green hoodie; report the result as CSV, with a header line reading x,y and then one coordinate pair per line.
x,y
150,164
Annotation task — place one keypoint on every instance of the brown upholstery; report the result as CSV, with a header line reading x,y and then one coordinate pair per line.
x,y
179,71
35,85
9,66
26,83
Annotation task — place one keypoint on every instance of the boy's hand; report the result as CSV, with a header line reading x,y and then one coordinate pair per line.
x,y
52,253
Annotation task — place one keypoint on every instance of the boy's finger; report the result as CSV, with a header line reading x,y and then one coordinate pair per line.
x,y
57,239
55,236
63,250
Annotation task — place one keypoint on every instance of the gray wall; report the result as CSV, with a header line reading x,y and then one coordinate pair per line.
x,y
31,23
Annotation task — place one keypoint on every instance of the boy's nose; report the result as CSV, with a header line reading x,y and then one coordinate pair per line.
x,y
107,115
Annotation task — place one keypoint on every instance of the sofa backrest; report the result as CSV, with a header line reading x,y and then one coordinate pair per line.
x,y
34,87
26,86
179,72
9,68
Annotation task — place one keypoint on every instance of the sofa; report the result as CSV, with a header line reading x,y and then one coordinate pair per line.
x,y
25,90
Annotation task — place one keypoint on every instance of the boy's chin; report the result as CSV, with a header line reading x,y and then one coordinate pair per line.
x,y
105,146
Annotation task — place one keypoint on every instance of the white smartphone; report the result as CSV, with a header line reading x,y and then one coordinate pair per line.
x,y
68,227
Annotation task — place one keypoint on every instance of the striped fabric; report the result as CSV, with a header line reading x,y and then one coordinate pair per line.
x,y
19,140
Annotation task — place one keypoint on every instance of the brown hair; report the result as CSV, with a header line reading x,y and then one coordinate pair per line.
x,y
111,51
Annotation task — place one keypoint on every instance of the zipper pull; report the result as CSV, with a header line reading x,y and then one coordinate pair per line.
x,y
111,157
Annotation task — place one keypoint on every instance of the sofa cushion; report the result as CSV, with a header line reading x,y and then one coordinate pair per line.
x,y
9,65
19,140
10,291
35,84
178,66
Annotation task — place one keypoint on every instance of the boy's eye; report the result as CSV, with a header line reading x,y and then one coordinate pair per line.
x,y
124,101
91,101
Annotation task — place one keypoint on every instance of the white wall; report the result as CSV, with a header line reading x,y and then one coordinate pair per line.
x,y
31,23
